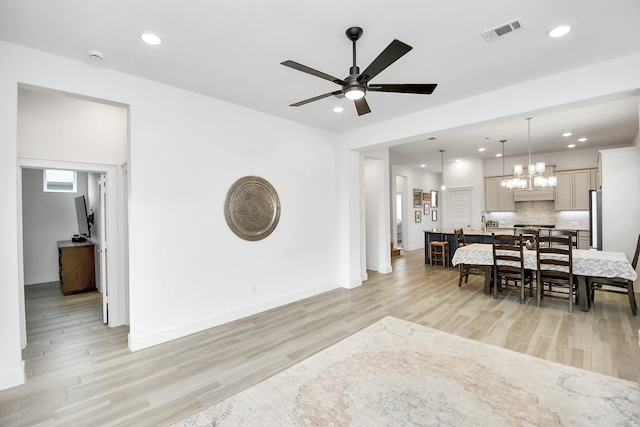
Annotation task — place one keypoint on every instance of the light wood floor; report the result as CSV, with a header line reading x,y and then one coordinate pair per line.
x,y
82,373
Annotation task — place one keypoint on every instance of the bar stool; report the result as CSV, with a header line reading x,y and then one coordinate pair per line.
x,y
439,252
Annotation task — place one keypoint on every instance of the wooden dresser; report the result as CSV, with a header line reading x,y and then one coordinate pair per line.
x,y
76,263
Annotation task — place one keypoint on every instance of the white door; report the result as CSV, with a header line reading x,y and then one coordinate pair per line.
x,y
102,184
460,208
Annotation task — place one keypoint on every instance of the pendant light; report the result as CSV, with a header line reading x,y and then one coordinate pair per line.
x,y
442,186
533,179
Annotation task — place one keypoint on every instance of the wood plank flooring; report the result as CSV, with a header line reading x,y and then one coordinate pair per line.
x,y
81,373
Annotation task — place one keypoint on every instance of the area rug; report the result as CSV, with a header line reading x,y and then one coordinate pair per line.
x,y
397,373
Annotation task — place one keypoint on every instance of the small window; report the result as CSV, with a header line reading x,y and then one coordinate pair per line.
x,y
59,181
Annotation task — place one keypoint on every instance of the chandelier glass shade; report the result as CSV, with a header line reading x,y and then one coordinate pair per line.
x,y
533,177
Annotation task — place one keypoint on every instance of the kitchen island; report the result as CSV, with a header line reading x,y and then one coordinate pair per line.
x,y
470,236
481,236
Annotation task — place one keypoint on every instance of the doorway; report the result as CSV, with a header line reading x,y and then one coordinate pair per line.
x,y
115,286
58,130
399,222
399,230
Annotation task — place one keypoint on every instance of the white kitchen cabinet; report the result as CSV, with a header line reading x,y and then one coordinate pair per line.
x,y
497,197
572,189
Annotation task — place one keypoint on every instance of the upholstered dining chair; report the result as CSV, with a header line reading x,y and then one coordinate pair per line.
x,y
508,264
466,269
616,284
555,263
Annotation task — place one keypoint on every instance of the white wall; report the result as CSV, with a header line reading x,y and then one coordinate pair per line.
x,y
620,200
57,126
47,218
372,173
188,271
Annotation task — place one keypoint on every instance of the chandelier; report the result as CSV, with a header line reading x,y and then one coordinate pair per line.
x,y
533,177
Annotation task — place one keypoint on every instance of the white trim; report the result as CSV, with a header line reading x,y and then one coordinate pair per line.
x,y
139,342
117,316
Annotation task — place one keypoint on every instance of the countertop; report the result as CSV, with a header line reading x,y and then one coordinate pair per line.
x,y
488,231
471,232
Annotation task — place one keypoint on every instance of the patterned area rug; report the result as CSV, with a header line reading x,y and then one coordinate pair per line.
x,y
397,373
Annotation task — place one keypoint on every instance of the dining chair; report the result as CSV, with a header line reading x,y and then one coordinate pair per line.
x,y
508,264
466,269
554,256
617,284
530,234
572,233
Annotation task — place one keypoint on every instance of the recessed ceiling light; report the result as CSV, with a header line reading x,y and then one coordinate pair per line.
x,y
582,139
499,155
458,160
481,149
566,134
151,39
559,31
338,109
422,165
571,145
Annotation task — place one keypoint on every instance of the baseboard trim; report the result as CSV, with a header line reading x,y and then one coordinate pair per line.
x,y
45,278
139,342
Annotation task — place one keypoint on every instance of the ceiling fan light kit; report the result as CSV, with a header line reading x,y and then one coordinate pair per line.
x,y
356,84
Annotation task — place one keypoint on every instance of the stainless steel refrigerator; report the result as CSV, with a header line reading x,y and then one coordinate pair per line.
x,y
595,219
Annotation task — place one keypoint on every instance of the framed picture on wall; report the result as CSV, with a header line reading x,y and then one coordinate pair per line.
x,y
425,208
425,196
434,215
417,198
418,216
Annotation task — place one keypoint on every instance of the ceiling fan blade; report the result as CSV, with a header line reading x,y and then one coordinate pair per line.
x,y
421,89
362,106
316,98
391,54
308,70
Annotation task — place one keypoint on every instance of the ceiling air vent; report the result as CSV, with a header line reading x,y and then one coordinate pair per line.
x,y
503,29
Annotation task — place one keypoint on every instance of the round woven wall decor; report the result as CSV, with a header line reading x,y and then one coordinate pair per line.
x,y
252,208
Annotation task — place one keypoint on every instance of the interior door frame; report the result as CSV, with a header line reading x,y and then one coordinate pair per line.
x,y
117,295
103,251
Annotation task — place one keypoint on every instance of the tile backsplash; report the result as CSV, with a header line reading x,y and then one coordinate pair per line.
x,y
541,213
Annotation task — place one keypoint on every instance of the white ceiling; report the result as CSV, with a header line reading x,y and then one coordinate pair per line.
x,y
232,50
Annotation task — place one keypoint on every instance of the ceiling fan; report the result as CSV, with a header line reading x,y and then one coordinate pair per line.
x,y
356,85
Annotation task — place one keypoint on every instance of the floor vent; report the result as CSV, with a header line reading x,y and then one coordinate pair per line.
x,y
502,30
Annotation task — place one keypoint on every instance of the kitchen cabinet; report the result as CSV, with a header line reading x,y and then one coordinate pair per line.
x,y
497,197
583,239
572,189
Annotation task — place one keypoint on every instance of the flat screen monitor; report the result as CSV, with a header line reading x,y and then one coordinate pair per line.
x,y
83,221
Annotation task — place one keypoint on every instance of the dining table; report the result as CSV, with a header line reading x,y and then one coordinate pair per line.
x,y
586,263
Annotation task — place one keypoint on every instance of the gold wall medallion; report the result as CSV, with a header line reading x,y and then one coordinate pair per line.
x,y
252,208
